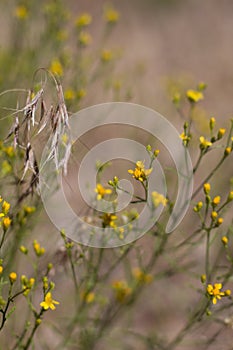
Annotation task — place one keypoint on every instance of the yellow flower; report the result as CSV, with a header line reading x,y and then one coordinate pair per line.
x,y
69,94
194,96
141,276
212,123
221,132
207,188
214,215
6,167
140,173
230,196
12,277
56,68
90,297
122,290
48,302
204,143
84,39
83,20
21,12
158,199
10,152
6,222
108,220
111,15
219,221
224,240
38,249
216,200
203,278
81,93
23,249
1,269
227,151
214,291
29,210
106,55
5,207
227,292
102,191
185,138
198,207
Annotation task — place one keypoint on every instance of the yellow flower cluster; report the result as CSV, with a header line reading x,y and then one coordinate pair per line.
x,y
111,15
27,284
122,291
140,173
158,199
109,220
38,249
141,276
194,96
5,221
215,293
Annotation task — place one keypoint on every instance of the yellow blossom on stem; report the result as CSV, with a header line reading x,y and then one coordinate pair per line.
x,y
198,207
38,249
106,55
122,290
69,94
214,215
194,96
224,240
140,173
221,132
108,220
227,151
158,199
141,276
111,15
203,278
101,191
21,12
5,207
6,223
219,222
204,144
212,123
12,277
1,269
84,39
230,196
83,20
56,68
48,302
206,188
81,93
216,200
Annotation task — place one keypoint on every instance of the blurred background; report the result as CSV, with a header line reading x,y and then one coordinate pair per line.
x,y
155,49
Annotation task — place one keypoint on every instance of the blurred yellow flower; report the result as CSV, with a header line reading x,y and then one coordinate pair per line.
x,y
122,290
81,93
38,249
224,240
69,94
21,12
6,223
216,200
111,15
194,96
141,276
108,220
56,68
5,207
106,55
158,199
84,39
83,20
206,188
